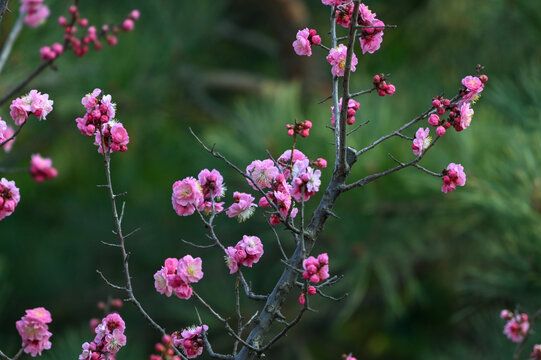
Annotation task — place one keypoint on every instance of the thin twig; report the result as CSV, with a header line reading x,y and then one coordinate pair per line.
x,y
401,165
211,352
197,245
14,134
8,45
118,226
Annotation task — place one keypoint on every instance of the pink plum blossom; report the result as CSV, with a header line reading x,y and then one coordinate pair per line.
x,y
19,109
175,276
452,176
243,206
353,106
372,38
9,197
517,327
190,340
33,330
109,339
211,183
466,113
114,136
306,181
421,141
90,100
36,12
316,269
42,168
262,173
247,252
190,269
474,86
187,194
285,163
302,45
34,102
337,58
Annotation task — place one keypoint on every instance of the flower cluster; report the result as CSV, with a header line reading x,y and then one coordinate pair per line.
x,y
176,276
99,121
108,340
247,252
9,197
353,106
316,269
452,176
421,141
460,113
34,103
306,180
190,340
91,34
42,168
305,39
371,37
34,331
165,349
36,12
243,206
337,58
382,86
293,178
517,325
302,128
190,194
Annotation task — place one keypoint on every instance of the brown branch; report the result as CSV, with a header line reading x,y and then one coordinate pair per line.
x,y
121,238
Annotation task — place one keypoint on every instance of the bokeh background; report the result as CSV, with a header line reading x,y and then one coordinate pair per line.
x,y
426,273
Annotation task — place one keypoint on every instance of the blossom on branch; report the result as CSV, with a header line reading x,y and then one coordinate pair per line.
x,y
34,103
421,141
108,341
452,176
190,340
305,39
243,206
34,331
247,252
337,58
316,269
517,325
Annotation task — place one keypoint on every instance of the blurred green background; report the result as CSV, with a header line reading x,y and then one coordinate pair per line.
x,y
426,273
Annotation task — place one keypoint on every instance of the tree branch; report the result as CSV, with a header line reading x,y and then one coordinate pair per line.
x,y
8,45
